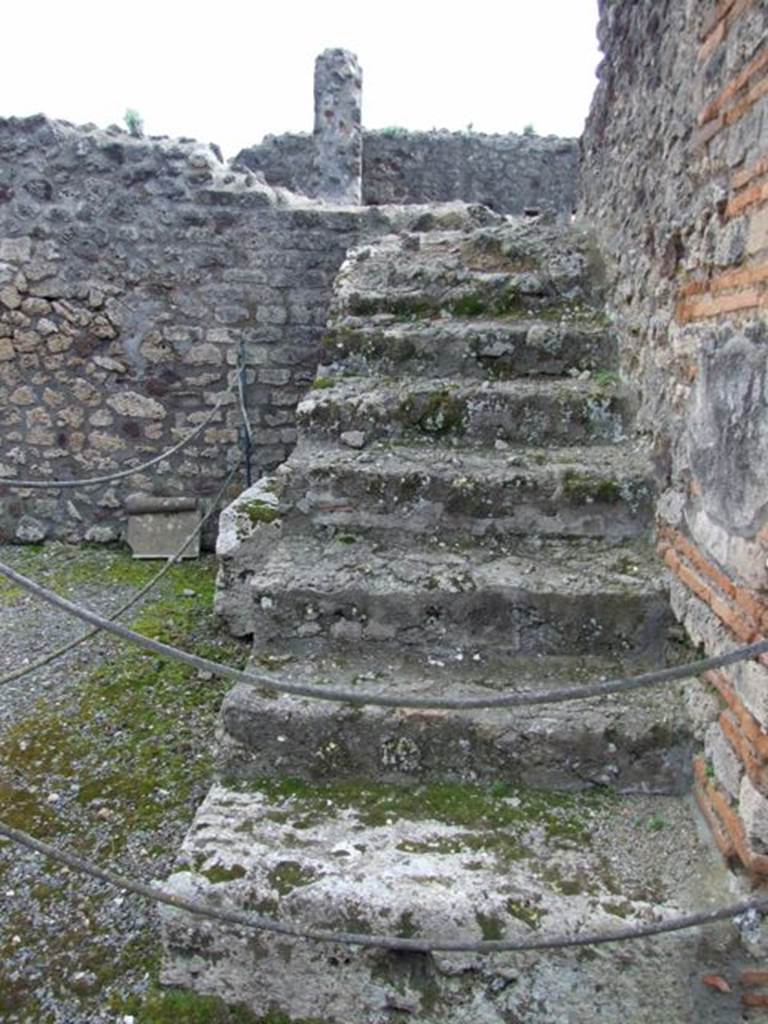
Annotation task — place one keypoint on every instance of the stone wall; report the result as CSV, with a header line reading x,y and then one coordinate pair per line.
x,y
676,176
508,173
131,271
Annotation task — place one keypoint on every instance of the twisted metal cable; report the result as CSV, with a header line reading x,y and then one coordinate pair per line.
x,y
94,481
258,922
524,698
59,652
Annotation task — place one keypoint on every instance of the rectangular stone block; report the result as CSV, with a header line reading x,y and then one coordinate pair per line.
x,y
727,766
753,810
161,534
16,249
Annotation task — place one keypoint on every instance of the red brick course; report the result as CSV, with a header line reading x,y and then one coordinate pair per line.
x,y
717,26
725,823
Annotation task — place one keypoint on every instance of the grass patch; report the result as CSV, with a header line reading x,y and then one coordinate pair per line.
x,y
178,1007
99,769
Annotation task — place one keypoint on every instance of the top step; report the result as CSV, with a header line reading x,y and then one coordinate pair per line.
x,y
517,269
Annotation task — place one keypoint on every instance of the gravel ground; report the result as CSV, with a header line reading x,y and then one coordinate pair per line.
x,y
106,752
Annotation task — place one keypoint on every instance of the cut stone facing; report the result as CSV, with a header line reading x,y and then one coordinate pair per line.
x,y
474,412
599,491
554,597
496,349
626,741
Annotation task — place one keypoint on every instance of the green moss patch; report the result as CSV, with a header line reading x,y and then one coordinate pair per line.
x,y
178,1007
480,810
579,488
438,413
289,875
259,512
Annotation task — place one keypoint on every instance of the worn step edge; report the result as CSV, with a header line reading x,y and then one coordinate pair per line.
x,y
527,865
484,348
634,741
604,491
522,411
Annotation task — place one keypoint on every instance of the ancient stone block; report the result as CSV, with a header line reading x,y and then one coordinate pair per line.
x,y
725,762
130,403
159,534
753,810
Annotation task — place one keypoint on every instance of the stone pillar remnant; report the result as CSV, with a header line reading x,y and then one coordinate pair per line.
x,y
338,128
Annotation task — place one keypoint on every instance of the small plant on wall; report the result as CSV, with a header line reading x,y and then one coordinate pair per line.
x,y
134,123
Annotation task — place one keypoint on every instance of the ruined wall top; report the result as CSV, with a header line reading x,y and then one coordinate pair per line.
x,y
342,164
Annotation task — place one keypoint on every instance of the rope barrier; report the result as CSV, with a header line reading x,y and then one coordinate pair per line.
x,y
94,481
59,652
258,922
246,430
524,698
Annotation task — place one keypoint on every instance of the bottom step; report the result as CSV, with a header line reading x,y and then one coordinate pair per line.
x,y
450,861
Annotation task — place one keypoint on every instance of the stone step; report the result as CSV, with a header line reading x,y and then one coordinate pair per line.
x,y
635,741
450,862
599,491
495,271
492,349
546,597
526,412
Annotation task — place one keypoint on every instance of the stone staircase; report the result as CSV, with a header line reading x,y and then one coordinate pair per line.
x,y
465,514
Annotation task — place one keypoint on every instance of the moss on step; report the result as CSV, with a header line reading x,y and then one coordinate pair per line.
x,y
217,873
259,511
491,928
289,875
438,413
579,488
564,817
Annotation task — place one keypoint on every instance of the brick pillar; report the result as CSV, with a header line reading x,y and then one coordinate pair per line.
x,y
338,129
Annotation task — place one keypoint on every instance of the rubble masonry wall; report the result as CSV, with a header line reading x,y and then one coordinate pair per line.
x,y
131,270
507,173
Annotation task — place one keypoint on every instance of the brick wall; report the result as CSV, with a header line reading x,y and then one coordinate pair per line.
x,y
676,177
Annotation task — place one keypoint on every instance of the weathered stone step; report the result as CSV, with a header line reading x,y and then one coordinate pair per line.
x,y
554,597
494,349
496,271
555,412
450,861
599,491
634,741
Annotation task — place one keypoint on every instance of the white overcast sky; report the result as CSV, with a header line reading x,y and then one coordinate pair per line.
x,y
232,72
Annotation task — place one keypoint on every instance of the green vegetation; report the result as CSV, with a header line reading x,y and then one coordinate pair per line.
x,y
438,413
218,874
177,1007
134,123
605,378
579,488
523,911
490,926
260,512
289,875
493,817
393,132
100,768
322,383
